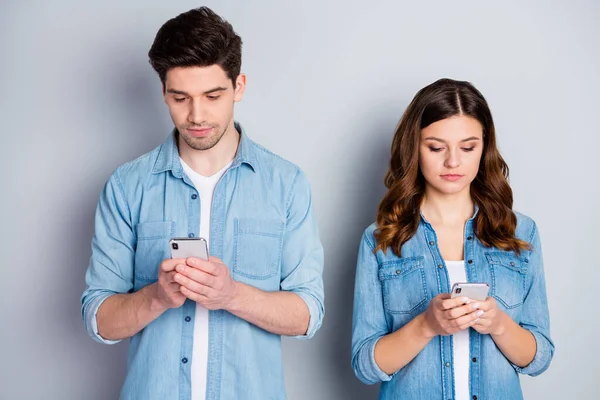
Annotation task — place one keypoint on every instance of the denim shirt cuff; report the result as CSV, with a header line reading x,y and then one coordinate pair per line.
x,y
315,315
91,323
540,360
378,373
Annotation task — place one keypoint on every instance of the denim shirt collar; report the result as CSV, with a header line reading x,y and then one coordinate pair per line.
x,y
469,221
168,154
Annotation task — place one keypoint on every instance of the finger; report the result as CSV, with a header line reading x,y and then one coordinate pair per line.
x,y
170,264
455,302
482,324
468,319
198,298
197,275
190,284
206,266
442,296
462,310
215,260
489,304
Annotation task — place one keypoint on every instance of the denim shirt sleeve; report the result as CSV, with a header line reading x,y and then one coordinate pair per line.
x,y
535,316
110,270
302,253
369,323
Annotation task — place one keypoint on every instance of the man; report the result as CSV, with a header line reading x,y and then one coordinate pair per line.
x,y
204,329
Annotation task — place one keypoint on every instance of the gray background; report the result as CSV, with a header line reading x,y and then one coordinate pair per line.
x,y
327,83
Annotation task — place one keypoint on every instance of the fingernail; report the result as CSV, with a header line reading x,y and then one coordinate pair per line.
x,y
476,306
465,300
476,320
180,268
479,313
192,261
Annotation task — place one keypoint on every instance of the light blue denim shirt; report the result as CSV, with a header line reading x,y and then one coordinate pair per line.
x,y
262,227
390,291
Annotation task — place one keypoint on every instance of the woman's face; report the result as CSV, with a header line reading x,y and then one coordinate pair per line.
x,y
449,153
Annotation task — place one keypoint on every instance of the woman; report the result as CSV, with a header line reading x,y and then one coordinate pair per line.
x,y
447,217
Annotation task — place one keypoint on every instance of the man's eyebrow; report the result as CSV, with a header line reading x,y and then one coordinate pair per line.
x,y
183,93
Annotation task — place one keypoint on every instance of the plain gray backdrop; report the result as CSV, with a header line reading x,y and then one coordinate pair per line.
x,y
327,83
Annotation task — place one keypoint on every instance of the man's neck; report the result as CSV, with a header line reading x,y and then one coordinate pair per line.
x,y
209,162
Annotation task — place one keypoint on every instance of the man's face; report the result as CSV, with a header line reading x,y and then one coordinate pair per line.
x,y
200,101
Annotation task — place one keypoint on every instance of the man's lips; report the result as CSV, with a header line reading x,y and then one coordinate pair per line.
x,y
199,132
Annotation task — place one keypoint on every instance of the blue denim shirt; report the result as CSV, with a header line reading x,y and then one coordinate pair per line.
x,y
262,227
390,291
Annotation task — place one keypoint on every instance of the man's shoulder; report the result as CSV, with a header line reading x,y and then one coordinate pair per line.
x,y
272,163
137,170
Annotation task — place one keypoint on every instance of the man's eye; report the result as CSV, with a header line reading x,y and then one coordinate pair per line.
x,y
179,99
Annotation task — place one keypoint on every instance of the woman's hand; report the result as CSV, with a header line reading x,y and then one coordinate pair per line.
x,y
446,316
492,320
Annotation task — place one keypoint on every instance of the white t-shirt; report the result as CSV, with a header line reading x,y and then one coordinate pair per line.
x,y
205,185
458,273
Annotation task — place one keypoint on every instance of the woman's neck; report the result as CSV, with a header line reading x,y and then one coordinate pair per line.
x,y
447,209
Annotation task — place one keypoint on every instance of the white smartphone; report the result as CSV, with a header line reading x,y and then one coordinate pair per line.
x,y
474,291
182,247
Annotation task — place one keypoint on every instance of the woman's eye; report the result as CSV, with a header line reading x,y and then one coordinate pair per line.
x,y
468,148
435,149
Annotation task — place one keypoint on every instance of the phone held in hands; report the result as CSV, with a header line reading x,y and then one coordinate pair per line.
x,y
183,247
474,291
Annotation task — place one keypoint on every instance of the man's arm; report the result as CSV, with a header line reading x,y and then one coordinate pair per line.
x,y
110,311
123,315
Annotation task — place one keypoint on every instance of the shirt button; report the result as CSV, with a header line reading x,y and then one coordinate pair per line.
x,y
187,319
512,264
432,243
470,261
440,266
474,397
470,238
191,235
474,359
194,196
397,272
184,360
447,364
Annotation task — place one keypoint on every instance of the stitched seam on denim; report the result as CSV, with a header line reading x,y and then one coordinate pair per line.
x,y
249,233
386,293
289,196
122,193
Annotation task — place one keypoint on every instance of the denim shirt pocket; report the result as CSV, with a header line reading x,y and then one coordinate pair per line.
x,y
403,285
257,249
151,249
508,273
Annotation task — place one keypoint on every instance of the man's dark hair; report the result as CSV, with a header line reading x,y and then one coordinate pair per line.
x,y
197,38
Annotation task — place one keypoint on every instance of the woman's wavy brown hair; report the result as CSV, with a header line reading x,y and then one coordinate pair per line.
x,y
399,211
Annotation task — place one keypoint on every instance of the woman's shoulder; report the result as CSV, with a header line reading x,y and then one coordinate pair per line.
x,y
369,235
526,227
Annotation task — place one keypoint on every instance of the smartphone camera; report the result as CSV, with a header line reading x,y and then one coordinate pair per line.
x,y
458,290
175,246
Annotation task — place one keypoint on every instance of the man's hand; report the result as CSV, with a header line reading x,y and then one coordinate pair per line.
x,y
167,291
208,283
